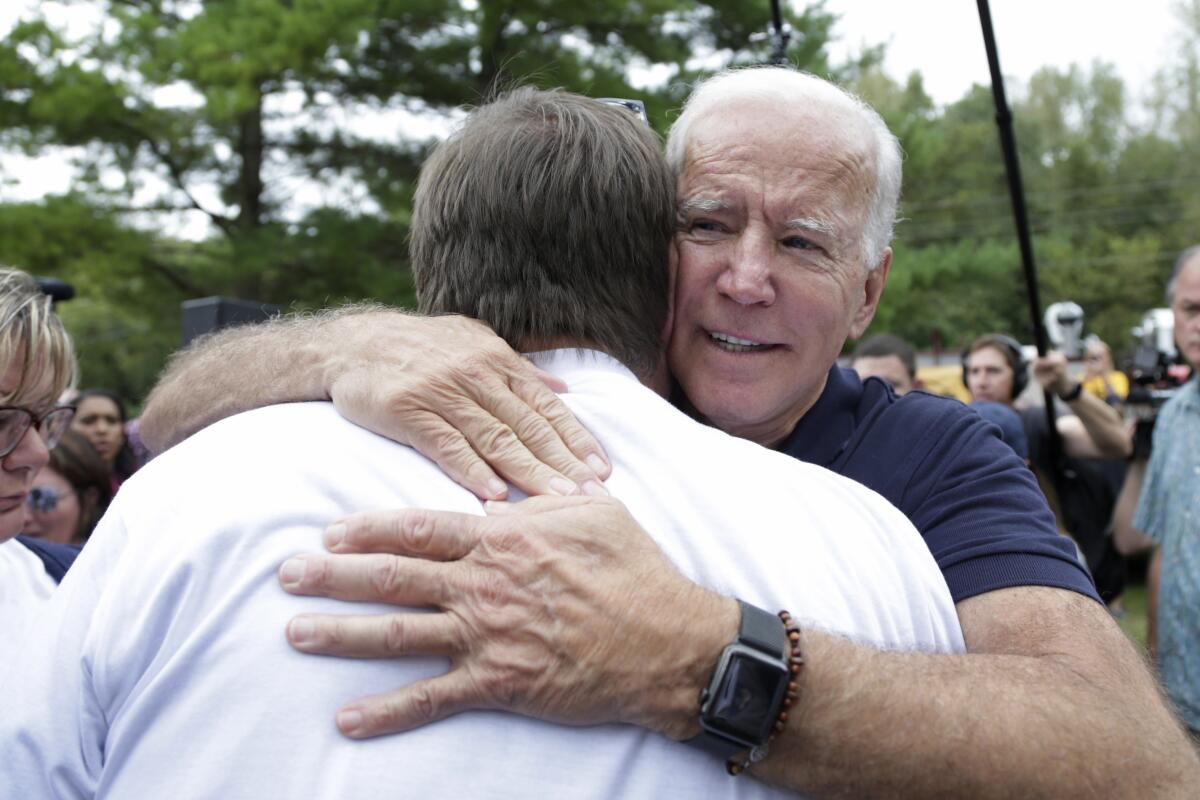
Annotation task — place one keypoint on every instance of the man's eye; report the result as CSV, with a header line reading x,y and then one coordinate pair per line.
x,y
704,225
799,243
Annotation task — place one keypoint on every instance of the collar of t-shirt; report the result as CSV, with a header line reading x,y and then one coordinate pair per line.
x,y
823,433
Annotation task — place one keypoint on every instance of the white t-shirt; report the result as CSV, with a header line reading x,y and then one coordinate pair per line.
x,y
167,673
25,589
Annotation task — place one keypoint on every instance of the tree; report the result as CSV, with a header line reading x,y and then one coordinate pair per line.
x,y
227,108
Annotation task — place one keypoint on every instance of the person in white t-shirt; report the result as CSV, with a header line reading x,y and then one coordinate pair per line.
x,y
163,669
37,363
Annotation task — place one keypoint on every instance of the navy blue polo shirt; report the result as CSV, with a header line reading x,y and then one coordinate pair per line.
x,y
976,504
56,558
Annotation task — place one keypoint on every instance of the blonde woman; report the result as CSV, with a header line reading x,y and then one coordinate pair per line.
x,y
37,362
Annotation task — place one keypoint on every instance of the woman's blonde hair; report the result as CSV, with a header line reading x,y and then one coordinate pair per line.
x,y
31,331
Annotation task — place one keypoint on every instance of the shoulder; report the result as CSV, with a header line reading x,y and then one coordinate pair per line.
x,y
55,558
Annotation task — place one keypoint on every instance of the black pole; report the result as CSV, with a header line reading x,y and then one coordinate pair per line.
x,y
1008,144
780,35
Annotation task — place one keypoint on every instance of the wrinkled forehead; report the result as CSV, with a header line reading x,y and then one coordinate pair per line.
x,y
819,146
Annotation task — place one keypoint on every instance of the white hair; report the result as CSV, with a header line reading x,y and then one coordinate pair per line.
x,y
1184,259
782,86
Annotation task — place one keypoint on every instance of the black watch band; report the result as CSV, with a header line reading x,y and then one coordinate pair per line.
x,y
1072,395
742,700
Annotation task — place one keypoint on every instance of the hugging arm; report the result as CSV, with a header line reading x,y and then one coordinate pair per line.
x,y
1051,700
447,386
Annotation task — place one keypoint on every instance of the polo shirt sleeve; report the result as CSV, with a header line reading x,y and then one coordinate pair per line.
x,y
983,515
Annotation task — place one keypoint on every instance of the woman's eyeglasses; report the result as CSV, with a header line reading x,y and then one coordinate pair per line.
x,y
16,421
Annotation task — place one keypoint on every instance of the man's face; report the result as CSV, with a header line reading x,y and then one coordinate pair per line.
x,y
1186,306
890,368
771,278
989,377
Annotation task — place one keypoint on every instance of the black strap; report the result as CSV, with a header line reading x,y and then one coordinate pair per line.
x,y
762,630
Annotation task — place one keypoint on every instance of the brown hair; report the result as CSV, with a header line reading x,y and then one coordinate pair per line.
x,y
81,466
549,216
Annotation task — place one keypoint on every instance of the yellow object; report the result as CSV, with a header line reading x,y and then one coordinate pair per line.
x,y
944,379
1117,380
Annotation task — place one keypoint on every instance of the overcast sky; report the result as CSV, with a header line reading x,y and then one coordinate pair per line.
x,y
942,40
939,38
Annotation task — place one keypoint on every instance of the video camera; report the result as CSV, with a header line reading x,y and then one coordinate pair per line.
x,y
1156,373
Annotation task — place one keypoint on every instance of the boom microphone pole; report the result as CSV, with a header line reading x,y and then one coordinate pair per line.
x,y
781,34
1012,169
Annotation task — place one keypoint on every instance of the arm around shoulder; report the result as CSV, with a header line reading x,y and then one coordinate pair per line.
x,y
235,370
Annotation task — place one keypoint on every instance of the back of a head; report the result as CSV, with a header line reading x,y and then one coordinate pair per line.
x,y
32,332
785,87
549,216
77,461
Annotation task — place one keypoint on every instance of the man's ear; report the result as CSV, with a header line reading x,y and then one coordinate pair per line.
x,y
872,291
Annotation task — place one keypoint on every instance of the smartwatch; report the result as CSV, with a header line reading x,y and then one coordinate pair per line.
x,y
741,703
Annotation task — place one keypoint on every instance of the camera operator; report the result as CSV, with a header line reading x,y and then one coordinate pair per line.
x,y
1074,480
1170,503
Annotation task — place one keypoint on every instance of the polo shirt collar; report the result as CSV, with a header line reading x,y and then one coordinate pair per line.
x,y
822,433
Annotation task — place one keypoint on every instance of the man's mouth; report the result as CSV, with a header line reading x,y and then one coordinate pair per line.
x,y
735,344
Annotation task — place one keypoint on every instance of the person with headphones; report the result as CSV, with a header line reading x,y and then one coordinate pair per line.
x,y
1072,476
995,368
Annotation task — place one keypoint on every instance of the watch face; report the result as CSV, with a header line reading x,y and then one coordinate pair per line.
x,y
745,703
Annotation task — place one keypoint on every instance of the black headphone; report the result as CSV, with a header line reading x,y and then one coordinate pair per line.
x,y
1011,349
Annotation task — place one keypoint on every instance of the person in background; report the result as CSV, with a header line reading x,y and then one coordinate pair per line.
x,y
70,494
100,418
1169,508
1100,378
888,357
37,362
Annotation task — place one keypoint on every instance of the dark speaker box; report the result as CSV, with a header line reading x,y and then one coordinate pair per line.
x,y
208,314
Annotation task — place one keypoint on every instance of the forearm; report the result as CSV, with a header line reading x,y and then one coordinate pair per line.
x,y
1127,539
240,369
1083,718
913,725
1104,426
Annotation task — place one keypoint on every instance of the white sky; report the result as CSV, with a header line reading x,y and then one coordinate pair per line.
x,y
939,38
942,39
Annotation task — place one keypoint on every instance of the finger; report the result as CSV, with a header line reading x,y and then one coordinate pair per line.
x,y
378,636
553,382
441,442
529,454
411,707
542,505
369,578
549,406
418,532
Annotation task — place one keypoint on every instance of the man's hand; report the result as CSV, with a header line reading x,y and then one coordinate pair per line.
x,y
458,394
1050,371
447,386
558,608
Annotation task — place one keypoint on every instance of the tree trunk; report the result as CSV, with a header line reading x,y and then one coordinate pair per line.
x,y
250,183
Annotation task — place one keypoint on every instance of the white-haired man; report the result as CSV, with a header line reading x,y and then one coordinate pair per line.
x,y
787,192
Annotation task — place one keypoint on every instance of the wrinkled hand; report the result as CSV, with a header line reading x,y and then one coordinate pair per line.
x,y
560,608
457,393
1050,371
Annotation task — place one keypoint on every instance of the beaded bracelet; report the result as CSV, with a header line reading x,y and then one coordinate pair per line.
x,y
736,766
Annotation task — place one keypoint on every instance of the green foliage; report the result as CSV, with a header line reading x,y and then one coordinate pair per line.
x,y
1110,204
250,96
169,99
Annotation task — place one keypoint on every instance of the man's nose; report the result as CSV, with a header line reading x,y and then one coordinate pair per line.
x,y
747,278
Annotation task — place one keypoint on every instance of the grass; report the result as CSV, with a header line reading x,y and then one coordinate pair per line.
x,y
1133,622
